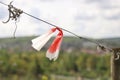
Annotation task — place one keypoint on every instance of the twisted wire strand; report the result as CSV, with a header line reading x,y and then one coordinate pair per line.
x,y
101,46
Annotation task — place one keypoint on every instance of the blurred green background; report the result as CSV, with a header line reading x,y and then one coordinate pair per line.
x,y
78,60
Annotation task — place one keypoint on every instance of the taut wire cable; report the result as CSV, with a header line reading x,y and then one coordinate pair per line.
x,y
14,14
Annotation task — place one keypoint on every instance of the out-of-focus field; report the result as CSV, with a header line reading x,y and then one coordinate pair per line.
x,y
35,66
78,60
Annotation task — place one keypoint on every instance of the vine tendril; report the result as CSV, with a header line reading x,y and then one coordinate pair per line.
x,y
14,14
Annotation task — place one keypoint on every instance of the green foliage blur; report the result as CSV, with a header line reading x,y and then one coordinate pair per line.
x,y
34,65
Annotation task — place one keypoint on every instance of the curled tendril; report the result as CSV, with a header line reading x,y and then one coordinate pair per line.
x,y
117,56
14,14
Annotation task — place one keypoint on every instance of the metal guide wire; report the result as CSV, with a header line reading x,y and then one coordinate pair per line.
x,y
14,14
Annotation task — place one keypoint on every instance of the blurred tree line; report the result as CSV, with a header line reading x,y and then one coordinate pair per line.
x,y
35,66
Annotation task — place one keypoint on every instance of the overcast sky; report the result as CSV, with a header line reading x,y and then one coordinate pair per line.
x,y
89,18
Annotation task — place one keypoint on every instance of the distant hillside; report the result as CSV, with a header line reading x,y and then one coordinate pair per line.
x,y
112,42
69,43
